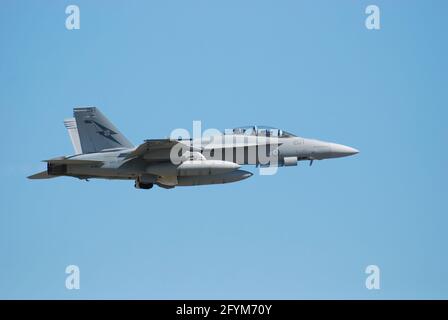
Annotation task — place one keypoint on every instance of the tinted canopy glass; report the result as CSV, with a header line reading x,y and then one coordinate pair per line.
x,y
262,131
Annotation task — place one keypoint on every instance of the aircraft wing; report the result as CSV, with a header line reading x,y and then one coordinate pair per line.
x,y
159,149
154,146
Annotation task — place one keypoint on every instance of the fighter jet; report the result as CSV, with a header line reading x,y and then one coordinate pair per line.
x,y
102,151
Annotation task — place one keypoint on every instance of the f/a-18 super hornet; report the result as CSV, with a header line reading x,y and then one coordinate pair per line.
x,y
101,151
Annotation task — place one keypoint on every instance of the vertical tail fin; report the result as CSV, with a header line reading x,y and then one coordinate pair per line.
x,y
96,132
72,129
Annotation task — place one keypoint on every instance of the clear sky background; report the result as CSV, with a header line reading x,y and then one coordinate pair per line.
x,y
308,67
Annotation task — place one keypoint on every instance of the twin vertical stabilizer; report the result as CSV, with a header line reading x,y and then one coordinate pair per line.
x,y
90,131
72,129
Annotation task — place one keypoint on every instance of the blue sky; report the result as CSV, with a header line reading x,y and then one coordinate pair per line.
x,y
309,67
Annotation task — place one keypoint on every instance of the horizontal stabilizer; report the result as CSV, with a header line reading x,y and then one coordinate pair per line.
x,y
74,161
41,175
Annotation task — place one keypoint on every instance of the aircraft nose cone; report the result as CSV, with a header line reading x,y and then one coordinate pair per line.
x,y
339,150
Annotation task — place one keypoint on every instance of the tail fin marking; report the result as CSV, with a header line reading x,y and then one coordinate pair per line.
x,y
96,132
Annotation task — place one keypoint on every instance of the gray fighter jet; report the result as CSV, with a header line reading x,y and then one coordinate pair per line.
x,y
101,151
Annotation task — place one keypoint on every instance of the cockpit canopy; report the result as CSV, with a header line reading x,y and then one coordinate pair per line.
x,y
264,131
